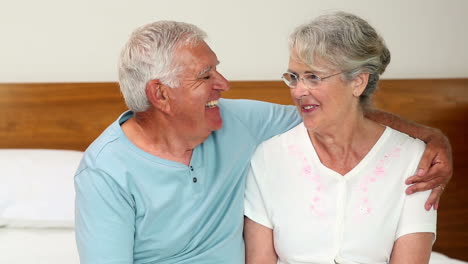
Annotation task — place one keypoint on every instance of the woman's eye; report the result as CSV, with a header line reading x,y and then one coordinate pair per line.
x,y
312,77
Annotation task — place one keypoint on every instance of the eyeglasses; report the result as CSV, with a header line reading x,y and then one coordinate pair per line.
x,y
310,80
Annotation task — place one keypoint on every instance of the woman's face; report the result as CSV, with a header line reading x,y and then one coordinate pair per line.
x,y
327,103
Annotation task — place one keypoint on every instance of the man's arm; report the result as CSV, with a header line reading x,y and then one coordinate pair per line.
x,y
104,220
264,120
435,168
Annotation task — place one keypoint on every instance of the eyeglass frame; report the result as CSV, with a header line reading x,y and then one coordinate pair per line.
x,y
305,81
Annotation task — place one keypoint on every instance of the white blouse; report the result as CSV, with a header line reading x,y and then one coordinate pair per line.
x,y
320,216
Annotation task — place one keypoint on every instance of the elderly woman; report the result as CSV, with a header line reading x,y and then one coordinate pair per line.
x,y
331,190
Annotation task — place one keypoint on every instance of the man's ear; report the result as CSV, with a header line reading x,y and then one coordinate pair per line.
x,y
360,83
158,96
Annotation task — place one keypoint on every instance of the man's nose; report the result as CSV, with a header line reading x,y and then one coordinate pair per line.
x,y
221,83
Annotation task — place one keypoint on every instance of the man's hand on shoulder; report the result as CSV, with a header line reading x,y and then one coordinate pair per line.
x,y
434,170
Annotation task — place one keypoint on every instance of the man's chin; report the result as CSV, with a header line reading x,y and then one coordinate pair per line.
x,y
218,126
214,120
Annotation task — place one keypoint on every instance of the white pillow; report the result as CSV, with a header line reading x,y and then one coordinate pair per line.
x,y
36,187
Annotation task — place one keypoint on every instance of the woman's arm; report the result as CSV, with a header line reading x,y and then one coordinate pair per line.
x,y
412,248
259,247
435,168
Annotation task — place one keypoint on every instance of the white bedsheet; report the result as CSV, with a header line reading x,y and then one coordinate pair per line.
x,y
57,246
38,246
438,258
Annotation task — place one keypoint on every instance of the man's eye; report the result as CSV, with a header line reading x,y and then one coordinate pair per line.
x,y
205,77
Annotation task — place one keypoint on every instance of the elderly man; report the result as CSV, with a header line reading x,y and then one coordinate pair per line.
x,y
165,182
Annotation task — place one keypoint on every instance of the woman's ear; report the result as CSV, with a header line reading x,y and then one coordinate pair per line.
x,y
360,83
157,94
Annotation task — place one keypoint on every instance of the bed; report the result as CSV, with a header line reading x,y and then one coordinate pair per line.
x,y
44,127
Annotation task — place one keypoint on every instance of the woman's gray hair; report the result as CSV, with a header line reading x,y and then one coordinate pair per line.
x,y
344,42
149,55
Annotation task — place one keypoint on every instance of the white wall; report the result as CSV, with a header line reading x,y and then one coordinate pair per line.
x,y
79,40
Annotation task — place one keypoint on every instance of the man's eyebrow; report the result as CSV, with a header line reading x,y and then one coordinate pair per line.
x,y
207,69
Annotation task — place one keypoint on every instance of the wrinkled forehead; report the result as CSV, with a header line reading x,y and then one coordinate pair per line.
x,y
312,62
197,58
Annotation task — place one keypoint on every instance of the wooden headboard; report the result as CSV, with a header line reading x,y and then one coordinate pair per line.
x,y
71,115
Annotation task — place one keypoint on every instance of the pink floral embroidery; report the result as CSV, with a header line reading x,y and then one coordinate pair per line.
x,y
307,171
293,150
364,210
364,207
379,171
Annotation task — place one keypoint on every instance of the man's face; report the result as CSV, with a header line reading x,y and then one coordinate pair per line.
x,y
195,103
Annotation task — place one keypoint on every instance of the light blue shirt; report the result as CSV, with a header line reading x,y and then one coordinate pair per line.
x,y
133,207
